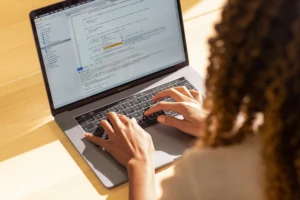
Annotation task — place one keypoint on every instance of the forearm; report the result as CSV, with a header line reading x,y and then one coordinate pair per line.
x,y
141,181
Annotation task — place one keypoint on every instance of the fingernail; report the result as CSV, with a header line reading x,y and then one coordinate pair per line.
x,y
161,119
86,135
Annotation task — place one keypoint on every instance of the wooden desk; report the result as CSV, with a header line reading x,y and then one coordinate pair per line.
x,y
37,161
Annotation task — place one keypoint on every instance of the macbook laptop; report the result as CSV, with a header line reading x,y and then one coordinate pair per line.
x,y
99,56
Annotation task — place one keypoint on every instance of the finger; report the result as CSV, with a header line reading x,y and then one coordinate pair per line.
x,y
172,121
125,120
164,106
114,119
107,128
173,93
133,120
96,140
197,96
183,90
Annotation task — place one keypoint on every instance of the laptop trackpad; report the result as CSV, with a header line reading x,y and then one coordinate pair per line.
x,y
169,143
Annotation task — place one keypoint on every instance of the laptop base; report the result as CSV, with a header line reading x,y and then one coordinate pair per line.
x,y
169,143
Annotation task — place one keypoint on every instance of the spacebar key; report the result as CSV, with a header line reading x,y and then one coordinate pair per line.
x,y
148,123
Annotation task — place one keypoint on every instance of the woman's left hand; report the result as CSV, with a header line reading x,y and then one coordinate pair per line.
x,y
128,142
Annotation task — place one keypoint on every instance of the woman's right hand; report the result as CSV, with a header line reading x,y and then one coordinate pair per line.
x,y
188,104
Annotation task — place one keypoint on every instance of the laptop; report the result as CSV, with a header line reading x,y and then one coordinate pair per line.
x,y
99,56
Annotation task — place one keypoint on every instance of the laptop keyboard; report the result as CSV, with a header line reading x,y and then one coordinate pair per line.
x,y
132,107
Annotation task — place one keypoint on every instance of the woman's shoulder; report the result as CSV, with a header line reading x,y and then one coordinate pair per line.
x,y
234,172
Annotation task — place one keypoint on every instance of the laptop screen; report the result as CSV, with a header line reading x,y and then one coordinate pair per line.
x,y
97,45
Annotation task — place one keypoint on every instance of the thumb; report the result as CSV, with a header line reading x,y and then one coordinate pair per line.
x,y
171,121
96,140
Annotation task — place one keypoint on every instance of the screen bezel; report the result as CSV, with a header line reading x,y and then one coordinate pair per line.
x,y
85,101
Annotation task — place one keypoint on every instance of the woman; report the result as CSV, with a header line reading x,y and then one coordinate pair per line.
x,y
252,105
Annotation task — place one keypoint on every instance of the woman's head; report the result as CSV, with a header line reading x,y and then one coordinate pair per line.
x,y
255,70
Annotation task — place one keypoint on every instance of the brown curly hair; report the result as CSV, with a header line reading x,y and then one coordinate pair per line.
x,y
255,70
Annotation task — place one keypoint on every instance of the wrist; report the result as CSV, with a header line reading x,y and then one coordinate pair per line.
x,y
141,179
135,166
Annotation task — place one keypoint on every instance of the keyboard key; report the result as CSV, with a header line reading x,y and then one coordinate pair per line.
x,y
145,104
139,95
123,113
132,97
139,120
102,118
170,84
182,83
89,119
88,126
122,107
93,130
145,98
81,121
186,83
142,112
96,123
189,87
129,110
103,113
150,95
153,116
137,107
151,102
97,117
100,114
181,79
92,114
114,109
129,104
135,114
137,101
145,118
98,132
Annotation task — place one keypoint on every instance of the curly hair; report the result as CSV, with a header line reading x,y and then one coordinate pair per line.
x,y
255,70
